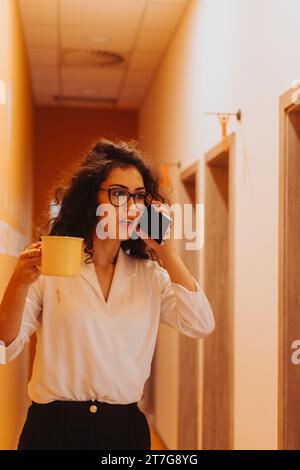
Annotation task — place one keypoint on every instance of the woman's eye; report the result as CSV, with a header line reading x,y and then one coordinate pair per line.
x,y
119,192
140,196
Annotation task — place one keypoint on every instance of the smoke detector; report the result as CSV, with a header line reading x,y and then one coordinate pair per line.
x,y
91,58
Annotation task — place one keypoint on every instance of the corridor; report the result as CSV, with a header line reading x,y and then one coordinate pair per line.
x,y
189,105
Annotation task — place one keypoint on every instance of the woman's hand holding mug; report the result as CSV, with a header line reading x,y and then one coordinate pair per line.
x,y
28,266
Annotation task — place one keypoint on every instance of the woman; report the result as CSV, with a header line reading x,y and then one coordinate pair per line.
x,y
96,332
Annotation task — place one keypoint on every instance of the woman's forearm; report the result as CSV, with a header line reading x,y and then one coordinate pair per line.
x,y
11,310
13,301
176,268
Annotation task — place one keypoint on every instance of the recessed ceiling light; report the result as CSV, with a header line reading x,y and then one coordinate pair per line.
x,y
89,91
98,39
92,58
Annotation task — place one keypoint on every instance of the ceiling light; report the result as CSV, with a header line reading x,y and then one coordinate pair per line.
x,y
98,39
86,99
91,58
89,91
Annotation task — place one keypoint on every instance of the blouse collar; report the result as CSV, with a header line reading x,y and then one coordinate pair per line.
x,y
125,269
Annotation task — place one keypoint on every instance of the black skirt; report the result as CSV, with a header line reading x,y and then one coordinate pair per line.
x,y
84,425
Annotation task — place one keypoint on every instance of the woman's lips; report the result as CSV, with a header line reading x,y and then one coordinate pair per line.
x,y
130,223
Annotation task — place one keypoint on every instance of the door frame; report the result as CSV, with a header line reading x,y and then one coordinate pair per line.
x,y
287,324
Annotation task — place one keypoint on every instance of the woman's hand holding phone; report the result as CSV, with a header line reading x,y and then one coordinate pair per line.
x,y
159,207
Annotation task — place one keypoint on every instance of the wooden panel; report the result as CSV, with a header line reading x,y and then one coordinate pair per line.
x,y
188,393
218,286
289,275
188,347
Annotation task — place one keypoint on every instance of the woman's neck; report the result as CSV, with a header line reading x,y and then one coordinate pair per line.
x,y
105,252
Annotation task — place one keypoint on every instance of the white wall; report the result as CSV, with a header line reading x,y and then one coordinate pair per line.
x,y
230,54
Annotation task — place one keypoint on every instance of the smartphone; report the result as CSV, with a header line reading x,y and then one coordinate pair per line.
x,y
155,224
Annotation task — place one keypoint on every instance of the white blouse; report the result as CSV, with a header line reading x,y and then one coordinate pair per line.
x,y
90,349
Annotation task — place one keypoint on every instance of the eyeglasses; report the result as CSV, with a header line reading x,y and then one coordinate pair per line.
x,y
119,196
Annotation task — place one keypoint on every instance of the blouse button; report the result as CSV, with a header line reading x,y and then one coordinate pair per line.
x,y
93,409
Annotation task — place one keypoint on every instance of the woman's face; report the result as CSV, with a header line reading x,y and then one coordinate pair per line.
x,y
113,221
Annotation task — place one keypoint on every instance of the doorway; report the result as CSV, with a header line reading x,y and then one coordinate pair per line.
x,y
218,286
289,275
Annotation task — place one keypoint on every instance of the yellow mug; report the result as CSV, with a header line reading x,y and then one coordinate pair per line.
x,y
61,255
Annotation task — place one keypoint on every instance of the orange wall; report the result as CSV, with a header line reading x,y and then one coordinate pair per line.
x,y
16,114
62,135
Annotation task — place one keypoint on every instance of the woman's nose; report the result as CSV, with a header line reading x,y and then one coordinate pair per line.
x,y
130,203
132,210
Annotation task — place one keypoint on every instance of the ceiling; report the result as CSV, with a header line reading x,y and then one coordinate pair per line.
x,y
96,53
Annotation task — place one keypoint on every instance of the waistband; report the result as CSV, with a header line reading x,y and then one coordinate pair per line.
x,y
90,409
77,403
81,405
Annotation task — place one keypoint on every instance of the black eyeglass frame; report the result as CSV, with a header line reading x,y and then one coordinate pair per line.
x,y
129,194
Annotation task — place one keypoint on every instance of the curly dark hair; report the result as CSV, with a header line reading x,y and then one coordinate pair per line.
x,y
77,200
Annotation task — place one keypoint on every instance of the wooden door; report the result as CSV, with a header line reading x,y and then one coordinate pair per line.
x,y
218,285
289,275
188,347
